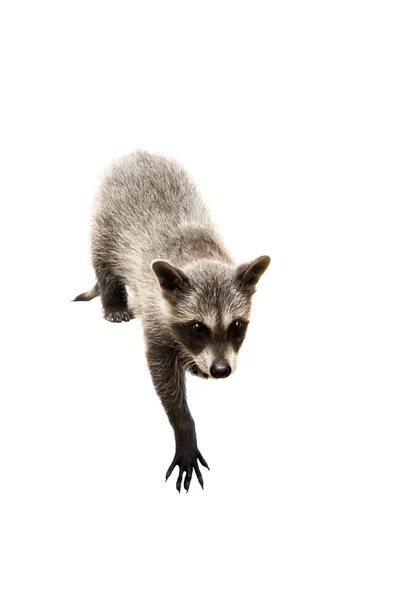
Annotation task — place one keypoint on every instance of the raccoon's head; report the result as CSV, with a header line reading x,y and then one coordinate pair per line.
x,y
207,308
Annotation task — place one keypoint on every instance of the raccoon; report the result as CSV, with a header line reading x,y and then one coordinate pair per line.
x,y
158,256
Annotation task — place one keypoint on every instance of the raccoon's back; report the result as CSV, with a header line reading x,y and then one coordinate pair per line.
x,y
148,188
144,201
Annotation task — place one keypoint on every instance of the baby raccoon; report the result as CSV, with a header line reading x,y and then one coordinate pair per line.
x,y
158,256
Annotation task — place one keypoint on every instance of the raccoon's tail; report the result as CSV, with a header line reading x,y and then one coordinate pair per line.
x,y
88,295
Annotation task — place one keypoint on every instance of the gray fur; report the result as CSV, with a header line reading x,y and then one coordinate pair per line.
x,y
158,256
148,208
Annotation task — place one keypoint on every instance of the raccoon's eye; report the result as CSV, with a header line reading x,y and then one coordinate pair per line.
x,y
198,327
238,327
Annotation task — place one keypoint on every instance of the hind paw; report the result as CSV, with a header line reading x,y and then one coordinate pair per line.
x,y
117,315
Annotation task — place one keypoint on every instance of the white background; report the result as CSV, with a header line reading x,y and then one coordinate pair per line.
x,y
287,115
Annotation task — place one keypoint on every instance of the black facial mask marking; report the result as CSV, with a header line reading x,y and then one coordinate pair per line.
x,y
194,340
237,332
195,336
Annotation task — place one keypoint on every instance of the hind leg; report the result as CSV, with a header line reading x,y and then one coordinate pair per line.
x,y
114,298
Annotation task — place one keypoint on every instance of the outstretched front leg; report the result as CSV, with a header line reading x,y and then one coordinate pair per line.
x,y
169,380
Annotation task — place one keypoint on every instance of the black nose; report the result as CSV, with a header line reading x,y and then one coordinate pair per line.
x,y
220,369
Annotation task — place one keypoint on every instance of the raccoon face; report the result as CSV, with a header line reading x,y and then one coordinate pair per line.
x,y
208,310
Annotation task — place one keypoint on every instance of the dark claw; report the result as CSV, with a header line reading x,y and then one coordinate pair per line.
x,y
199,475
170,469
202,461
179,480
188,479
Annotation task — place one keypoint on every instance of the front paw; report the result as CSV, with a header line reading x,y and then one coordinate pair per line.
x,y
186,460
194,370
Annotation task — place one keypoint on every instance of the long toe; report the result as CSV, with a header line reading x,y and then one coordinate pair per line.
x,y
179,480
188,479
199,475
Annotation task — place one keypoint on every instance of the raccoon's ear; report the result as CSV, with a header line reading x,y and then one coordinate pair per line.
x,y
169,277
249,273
